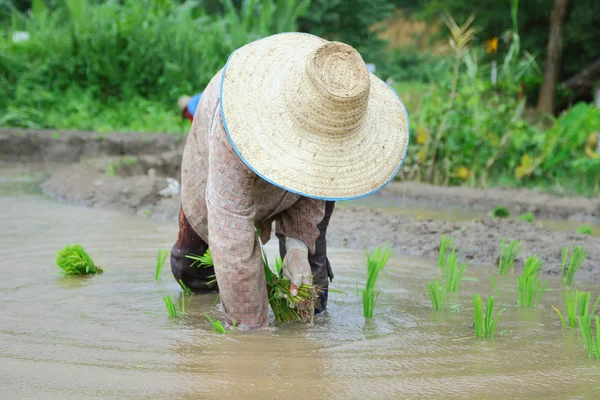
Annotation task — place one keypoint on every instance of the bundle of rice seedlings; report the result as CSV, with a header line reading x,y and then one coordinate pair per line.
x,y
286,308
592,344
74,260
445,245
437,294
585,230
376,260
508,255
528,217
570,264
160,261
485,324
578,305
174,308
453,273
530,293
500,212
218,326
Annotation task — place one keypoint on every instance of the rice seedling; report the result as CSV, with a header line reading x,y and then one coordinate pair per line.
x,y
204,261
174,308
592,344
445,244
495,286
74,260
218,326
485,324
570,264
528,216
160,262
453,273
508,254
578,305
186,289
585,230
530,289
500,212
376,260
437,294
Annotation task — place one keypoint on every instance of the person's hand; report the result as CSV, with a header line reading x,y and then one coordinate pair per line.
x,y
295,264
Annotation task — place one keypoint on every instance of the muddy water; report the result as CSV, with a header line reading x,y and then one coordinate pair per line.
x,y
109,336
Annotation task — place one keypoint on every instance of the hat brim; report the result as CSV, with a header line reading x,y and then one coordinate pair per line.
x,y
292,157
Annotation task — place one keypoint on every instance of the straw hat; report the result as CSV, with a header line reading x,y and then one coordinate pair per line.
x,y
306,115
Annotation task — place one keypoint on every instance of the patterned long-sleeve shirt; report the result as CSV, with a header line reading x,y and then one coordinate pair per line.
x,y
223,199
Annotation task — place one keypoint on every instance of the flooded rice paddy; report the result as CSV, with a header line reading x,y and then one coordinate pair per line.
x,y
109,336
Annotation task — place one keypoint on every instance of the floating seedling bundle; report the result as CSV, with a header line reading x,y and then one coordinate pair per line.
x,y
74,260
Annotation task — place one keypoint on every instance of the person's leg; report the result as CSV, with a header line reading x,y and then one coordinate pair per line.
x,y
319,263
188,243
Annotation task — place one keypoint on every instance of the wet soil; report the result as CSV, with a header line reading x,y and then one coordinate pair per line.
x,y
127,171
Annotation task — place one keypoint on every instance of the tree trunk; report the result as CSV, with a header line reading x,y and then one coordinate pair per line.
x,y
553,55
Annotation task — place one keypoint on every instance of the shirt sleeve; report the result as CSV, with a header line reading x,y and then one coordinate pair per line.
x,y
300,221
232,239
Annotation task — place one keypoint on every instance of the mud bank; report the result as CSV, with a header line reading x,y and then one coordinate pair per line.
x,y
128,171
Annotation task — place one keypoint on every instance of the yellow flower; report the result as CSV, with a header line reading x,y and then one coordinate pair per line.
x,y
462,173
491,45
422,136
526,167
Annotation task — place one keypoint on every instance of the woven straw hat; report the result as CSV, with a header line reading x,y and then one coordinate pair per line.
x,y
306,115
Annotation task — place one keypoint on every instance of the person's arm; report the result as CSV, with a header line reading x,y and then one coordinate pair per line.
x,y
232,240
299,226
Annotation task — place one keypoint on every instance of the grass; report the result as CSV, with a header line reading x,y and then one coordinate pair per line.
x,y
160,262
437,294
508,254
571,263
530,289
528,216
445,244
74,260
500,212
585,230
453,273
174,308
592,344
578,305
485,324
218,326
376,260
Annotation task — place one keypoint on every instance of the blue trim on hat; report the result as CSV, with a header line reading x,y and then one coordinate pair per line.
x,y
295,191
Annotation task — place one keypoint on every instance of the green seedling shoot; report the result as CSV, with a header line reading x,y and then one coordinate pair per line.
x,y
445,245
218,326
485,324
160,262
376,260
453,273
437,294
570,264
585,230
530,289
592,343
508,255
74,260
578,305
528,217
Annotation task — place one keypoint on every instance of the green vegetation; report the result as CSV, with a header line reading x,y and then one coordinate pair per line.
x,y
592,344
508,254
577,305
437,294
500,212
445,245
376,260
585,230
485,324
453,272
160,261
174,307
218,326
186,289
571,264
204,261
530,290
528,216
74,260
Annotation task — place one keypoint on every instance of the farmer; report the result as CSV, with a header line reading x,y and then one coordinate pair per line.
x,y
289,125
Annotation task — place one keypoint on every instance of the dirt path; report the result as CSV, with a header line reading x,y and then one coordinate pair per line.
x,y
127,171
